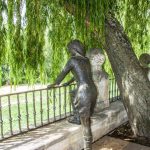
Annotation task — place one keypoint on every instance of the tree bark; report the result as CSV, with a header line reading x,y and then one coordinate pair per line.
x,y
131,78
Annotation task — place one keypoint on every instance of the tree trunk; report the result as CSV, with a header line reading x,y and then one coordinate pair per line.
x,y
131,78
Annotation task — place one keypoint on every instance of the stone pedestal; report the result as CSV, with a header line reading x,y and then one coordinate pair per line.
x,y
100,77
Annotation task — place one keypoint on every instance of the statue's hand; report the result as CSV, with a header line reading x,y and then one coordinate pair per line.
x,y
65,84
76,102
51,86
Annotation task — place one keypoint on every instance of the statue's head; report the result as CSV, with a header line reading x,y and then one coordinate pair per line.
x,y
145,60
96,57
76,47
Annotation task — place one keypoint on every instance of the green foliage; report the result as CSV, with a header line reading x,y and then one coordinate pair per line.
x,y
57,38
34,44
134,16
15,41
36,24
2,32
2,37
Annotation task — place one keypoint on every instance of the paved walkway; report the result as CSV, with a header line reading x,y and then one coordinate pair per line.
x,y
109,143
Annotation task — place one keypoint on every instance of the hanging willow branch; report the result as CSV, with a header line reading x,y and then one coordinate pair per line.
x,y
2,32
2,37
47,28
35,38
134,16
10,37
16,43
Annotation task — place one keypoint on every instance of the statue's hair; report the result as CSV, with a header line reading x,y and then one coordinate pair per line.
x,y
77,46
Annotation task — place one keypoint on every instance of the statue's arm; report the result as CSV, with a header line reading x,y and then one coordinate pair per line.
x,y
62,75
64,72
69,82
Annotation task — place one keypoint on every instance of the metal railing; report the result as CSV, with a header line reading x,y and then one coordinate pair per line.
x,y
24,111
114,93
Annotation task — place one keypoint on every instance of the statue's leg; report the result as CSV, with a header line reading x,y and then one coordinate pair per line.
x,y
76,117
93,104
86,129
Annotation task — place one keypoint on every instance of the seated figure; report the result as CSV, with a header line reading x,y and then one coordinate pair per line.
x,y
86,92
100,77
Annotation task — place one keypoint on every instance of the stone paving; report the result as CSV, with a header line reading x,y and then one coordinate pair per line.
x,y
109,143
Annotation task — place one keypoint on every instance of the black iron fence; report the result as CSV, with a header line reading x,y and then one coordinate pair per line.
x,y
114,93
24,111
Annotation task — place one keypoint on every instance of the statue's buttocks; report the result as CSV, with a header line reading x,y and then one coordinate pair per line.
x,y
86,92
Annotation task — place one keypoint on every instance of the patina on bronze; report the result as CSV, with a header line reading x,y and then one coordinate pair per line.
x,y
86,93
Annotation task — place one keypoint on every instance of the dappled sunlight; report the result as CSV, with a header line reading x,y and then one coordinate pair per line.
x,y
110,143
106,149
83,87
45,135
128,85
131,99
73,128
134,124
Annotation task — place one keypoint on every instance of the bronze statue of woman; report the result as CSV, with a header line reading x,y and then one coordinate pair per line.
x,y
86,93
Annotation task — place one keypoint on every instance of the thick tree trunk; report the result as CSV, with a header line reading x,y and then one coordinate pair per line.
x,y
131,78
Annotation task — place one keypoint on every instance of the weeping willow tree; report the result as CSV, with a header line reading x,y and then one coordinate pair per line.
x,y
34,33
